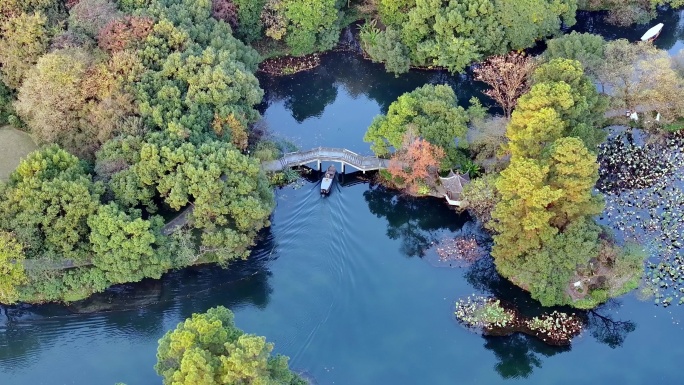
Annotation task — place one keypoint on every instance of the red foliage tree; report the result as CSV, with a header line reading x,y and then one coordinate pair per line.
x,y
123,33
70,3
225,10
416,163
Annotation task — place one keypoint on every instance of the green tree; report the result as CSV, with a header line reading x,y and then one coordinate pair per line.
x,y
207,349
526,21
312,25
54,9
533,125
6,100
23,39
394,12
587,48
46,204
12,272
586,116
432,112
562,102
547,274
230,196
127,247
46,284
456,33
188,26
386,47
249,19
195,87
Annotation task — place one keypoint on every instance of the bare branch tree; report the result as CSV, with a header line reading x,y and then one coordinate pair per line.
x,y
508,77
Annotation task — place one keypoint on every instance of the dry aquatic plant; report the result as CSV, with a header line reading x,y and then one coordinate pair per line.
x,y
459,249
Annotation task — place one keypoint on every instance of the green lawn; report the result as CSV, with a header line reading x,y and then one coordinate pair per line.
x,y
14,145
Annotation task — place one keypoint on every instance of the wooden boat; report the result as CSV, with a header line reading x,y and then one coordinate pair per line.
x,y
653,33
328,178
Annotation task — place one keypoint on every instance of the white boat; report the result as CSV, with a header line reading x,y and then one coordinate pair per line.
x,y
653,33
328,178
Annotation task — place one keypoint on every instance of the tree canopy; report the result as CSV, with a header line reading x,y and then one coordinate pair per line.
x,y
640,77
46,204
546,238
562,102
626,12
23,39
208,349
161,95
12,272
434,115
73,99
456,33
126,247
587,48
230,196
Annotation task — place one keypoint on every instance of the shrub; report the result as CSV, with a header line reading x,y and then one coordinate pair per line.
x,y
386,47
486,140
481,197
124,33
225,10
23,39
249,23
6,109
89,16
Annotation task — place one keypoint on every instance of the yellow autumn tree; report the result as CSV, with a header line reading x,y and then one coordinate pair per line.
x,y
522,216
574,171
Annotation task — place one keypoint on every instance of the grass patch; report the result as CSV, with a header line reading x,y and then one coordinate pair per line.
x,y
14,145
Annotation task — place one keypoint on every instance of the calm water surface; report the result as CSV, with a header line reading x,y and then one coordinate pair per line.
x,y
341,284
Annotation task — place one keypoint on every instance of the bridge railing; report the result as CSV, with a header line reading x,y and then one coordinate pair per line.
x,y
332,153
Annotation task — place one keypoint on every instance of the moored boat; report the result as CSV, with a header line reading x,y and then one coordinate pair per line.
x,y
653,33
328,178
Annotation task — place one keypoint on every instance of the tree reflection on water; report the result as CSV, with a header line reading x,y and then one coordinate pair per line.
x,y
417,222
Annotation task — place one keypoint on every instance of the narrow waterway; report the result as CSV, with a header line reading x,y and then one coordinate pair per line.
x,y
341,284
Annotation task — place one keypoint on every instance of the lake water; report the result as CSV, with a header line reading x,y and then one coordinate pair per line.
x,y
341,284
